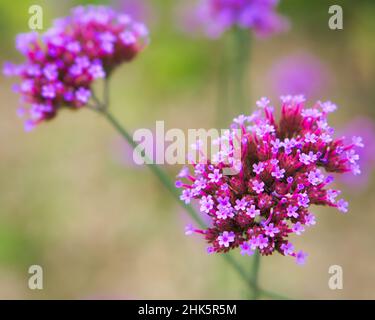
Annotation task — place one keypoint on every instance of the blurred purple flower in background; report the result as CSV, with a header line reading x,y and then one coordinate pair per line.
x,y
365,128
62,64
299,73
140,10
215,17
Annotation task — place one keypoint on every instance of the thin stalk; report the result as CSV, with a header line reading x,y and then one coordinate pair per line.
x,y
273,295
223,83
163,177
241,58
106,92
255,275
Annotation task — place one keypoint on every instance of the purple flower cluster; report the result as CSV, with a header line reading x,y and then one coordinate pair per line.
x,y
62,64
280,175
217,16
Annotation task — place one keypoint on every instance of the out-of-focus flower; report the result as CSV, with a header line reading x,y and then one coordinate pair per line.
x,y
218,16
363,130
140,10
299,73
280,176
62,63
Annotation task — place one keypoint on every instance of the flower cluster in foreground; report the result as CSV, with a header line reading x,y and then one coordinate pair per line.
x,y
218,16
280,175
62,64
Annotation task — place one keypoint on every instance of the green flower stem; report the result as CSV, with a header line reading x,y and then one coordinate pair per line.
x,y
255,275
272,295
233,94
240,68
223,82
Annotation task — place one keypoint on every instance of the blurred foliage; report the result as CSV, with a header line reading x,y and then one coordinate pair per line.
x,y
104,230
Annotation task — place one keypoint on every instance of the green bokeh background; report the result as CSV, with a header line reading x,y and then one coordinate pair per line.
x,y
101,229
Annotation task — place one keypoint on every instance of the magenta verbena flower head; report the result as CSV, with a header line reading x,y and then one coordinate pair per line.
x,y
62,63
285,167
217,16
